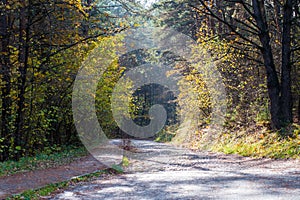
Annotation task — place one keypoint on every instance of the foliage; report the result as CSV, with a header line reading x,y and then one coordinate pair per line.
x,y
231,32
125,161
166,134
117,169
263,31
178,15
149,95
42,46
244,81
43,43
107,84
262,143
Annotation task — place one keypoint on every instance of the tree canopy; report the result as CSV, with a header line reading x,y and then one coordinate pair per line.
x,y
254,43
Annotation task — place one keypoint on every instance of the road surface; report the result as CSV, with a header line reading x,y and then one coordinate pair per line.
x,y
162,171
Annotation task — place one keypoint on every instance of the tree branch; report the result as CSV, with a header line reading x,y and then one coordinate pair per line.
x,y
80,41
230,26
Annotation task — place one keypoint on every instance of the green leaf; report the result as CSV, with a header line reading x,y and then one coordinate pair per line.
x,y
117,168
18,148
125,161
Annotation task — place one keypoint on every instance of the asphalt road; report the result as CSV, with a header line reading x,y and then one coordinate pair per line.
x,y
161,171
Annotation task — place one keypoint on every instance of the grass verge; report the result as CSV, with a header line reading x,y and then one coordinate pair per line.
x,y
56,187
42,161
259,143
51,188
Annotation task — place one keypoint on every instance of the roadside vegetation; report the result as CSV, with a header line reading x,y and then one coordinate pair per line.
x,y
260,71
253,44
50,157
56,187
258,143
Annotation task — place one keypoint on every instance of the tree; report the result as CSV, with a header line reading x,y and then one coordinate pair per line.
x,y
42,46
178,15
5,51
252,23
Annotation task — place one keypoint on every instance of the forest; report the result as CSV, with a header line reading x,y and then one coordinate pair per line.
x,y
254,45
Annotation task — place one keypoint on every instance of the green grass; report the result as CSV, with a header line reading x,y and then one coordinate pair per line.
x,y
59,158
43,160
261,143
51,188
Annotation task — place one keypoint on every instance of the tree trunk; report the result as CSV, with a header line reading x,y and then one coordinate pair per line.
x,y
6,79
299,110
23,66
272,78
286,90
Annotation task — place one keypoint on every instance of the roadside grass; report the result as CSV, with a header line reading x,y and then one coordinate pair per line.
x,y
46,191
261,143
56,187
43,160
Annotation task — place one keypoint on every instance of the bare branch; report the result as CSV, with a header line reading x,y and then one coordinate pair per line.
x,y
81,41
230,26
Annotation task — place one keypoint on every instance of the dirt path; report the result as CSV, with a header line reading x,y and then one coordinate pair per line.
x,y
160,171
23,181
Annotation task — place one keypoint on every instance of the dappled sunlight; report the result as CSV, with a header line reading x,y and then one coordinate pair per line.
x,y
162,171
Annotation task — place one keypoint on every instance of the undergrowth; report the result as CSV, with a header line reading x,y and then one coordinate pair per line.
x,y
42,160
166,134
259,143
